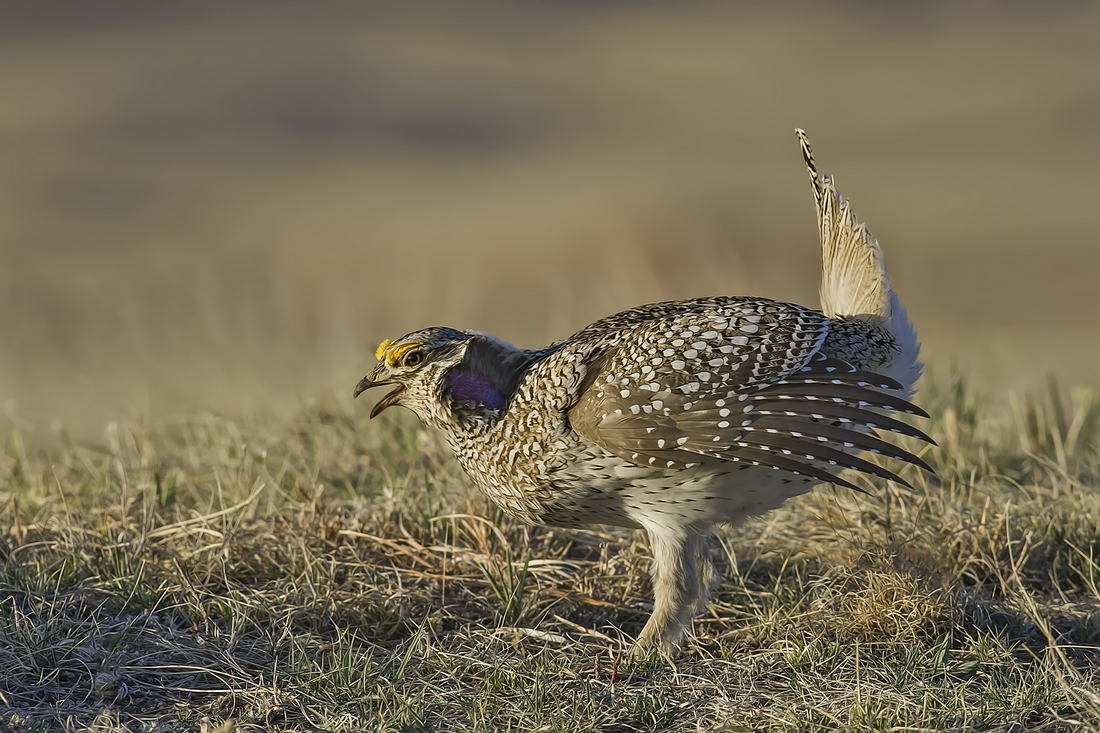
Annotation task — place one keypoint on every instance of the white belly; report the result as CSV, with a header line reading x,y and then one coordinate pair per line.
x,y
607,490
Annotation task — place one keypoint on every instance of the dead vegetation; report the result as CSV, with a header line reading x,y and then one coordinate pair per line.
x,y
202,574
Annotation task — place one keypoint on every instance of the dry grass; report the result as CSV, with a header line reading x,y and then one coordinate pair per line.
x,y
333,574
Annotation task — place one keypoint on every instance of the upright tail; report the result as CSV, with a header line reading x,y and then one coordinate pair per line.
x,y
854,280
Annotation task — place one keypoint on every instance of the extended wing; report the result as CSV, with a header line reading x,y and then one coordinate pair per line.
x,y
740,380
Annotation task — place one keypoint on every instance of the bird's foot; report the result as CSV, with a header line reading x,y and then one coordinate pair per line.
x,y
667,641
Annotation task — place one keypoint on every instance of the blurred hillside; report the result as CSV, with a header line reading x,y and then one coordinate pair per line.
x,y
228,206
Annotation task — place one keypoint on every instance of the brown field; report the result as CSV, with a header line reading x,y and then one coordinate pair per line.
x,y
228,209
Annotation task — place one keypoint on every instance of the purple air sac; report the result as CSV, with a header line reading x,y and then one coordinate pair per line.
x,y
467,387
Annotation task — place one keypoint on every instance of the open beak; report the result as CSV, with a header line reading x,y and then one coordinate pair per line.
x,y
365,383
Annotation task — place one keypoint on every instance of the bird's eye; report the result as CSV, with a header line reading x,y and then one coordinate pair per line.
x,y
413,359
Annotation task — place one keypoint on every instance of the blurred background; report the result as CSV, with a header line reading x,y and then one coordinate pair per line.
x,y
227,206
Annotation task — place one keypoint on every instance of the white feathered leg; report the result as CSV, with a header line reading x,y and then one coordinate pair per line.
x,y
708,574
676,587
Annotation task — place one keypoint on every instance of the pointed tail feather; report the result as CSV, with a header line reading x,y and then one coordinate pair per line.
x,y
854,279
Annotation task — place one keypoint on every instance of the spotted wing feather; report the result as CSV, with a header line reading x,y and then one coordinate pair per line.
x,y
839,414
828,433
677,387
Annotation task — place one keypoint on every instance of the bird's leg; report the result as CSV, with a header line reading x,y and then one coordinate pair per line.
x,y
708,574
675,588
